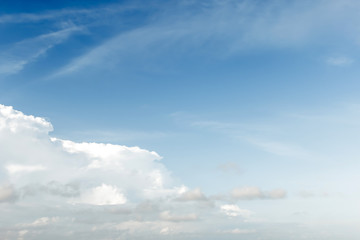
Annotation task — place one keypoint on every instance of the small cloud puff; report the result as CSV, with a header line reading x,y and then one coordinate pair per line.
x,y
339,61
252,193
192,195
7,193
167,216
230,167
233,210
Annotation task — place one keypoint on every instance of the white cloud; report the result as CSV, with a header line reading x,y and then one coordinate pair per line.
x,y
108,156
275,194
17,168
41,222
165,231
251,193
22,233
233,26
246,193
102,195
98,173
232,210
7,193
106,190
230,167
240,231
280,148
167,216
27,17
59,15
15,58
192,195
16,121
339,61
145,229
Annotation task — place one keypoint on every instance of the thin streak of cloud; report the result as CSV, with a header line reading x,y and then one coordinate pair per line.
x,y
281,149
233,26
79,14
24,52
167,216
252,193
230,167
339,61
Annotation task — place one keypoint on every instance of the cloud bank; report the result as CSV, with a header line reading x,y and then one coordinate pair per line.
x,y
104,173
105,190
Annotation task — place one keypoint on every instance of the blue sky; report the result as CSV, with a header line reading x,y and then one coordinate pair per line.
x,y
245,115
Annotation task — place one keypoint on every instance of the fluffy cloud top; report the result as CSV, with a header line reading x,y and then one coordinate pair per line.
x,y
232,210
105,174
102,195
16,121
105,190
192,195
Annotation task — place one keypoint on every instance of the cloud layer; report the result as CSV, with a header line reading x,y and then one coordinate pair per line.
x,y
48,183
104,173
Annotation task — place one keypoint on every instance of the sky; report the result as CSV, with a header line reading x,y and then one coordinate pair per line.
x,y
230,119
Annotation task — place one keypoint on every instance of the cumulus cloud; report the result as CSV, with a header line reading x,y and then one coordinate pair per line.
x,y
89,173
7,193
251,193
15,121
101,190
233,210
230,167
22,233
102,195
167,216
192,195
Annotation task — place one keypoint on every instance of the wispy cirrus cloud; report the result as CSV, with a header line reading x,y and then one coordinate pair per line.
x,y
281,148
232,26
76,15
14,59
252,193
339,61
